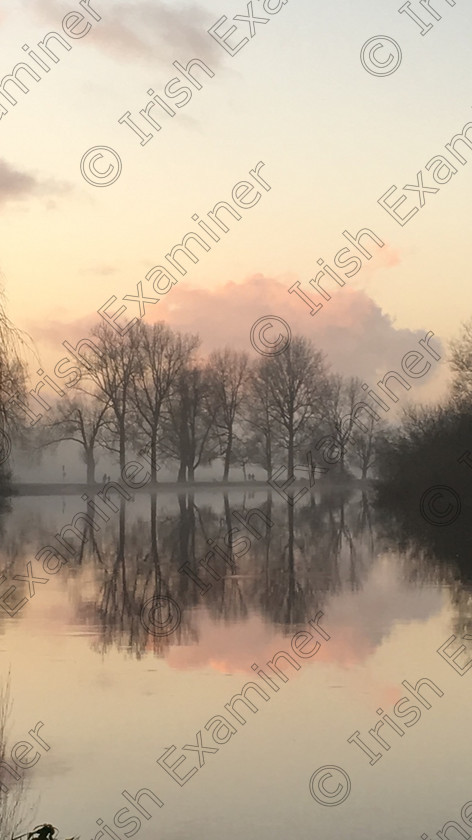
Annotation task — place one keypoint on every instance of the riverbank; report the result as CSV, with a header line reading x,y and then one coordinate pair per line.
x,y
162,486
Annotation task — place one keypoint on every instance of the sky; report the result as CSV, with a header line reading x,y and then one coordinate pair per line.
x,y
333,138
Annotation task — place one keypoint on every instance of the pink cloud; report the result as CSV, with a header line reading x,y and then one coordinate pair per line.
x,y
357,337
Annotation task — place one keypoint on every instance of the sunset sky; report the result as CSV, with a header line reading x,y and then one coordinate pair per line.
x,y
333,139
329,139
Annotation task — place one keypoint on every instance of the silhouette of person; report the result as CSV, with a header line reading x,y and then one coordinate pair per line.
x,y
63,473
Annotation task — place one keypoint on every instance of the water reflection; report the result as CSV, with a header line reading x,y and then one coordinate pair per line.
x,y
430,552
247,571
235,555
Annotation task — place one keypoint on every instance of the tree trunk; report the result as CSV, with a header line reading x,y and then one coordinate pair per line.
x,y
90,468
122,433
183,439
154,457
154,551
269,459
229,448
192,459
291,456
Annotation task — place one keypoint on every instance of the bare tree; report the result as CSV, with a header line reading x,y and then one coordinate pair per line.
x,y
340,400
112,373
161,357
260,416
461,363
298,382
81,421
12,379
246,449
364,445
228,377
189,422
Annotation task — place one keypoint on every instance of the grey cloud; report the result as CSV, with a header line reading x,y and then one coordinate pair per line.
x,y
17,186
146,31
14,184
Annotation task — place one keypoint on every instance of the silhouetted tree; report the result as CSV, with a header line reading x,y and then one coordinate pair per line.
x,y
340,398
461,363
81,421
228,374
112,372
161,357
298,383
261,417
189,422
363,446
12,387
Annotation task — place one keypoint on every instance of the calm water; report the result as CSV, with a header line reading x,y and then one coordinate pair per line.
x,y
113,695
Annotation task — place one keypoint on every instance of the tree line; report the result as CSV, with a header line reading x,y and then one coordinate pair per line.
x,y
13,381
152,390
432,445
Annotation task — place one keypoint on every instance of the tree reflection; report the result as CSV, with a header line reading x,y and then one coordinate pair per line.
x,y
195,549
434,554
202,557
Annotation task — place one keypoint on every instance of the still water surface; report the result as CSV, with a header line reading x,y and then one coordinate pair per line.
x,y
113,696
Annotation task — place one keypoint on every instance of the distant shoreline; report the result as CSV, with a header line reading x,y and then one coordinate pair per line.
x,y
28,489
